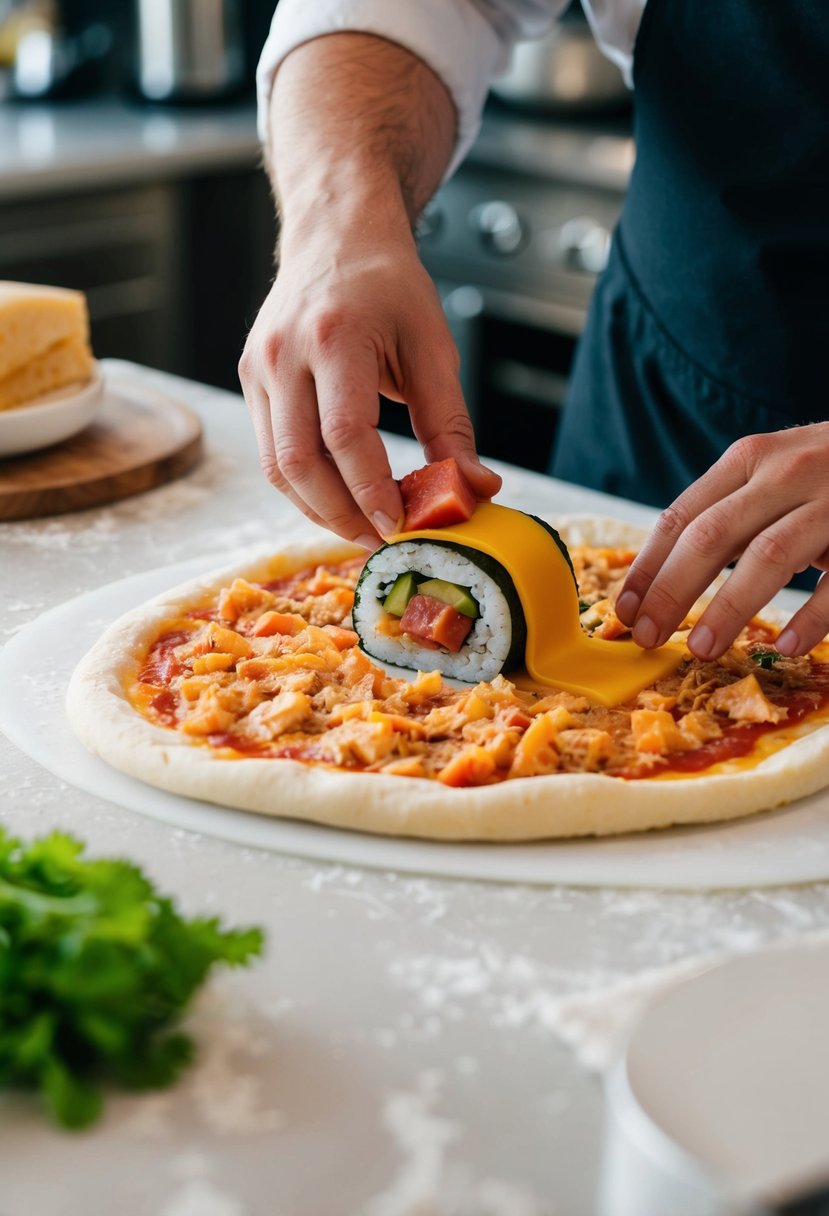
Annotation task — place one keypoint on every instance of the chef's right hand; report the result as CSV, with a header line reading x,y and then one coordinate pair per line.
x,y
344,321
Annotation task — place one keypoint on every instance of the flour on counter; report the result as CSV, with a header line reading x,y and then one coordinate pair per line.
x,y
426,1183
28,611
422,1139
223,1091
596,1025
202,1198
195,1194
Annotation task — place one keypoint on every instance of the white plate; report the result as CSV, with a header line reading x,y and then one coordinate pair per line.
x,y
720,1100
785,846
51,418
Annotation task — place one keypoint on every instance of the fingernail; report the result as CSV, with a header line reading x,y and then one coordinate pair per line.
x,y
384,524
627,606
474,464
646,632
368,542
701,641
788,642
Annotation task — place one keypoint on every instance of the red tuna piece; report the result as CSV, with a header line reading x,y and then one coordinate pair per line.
x,y
436,495
434,623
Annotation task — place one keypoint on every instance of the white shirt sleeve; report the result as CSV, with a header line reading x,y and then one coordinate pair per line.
x,y
465,42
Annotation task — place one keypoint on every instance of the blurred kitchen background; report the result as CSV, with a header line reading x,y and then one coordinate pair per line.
x,y
130,169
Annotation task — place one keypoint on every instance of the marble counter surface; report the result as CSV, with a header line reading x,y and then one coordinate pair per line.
x,y
50,148
395,1053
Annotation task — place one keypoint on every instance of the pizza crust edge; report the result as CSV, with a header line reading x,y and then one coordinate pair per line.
x,y
547,807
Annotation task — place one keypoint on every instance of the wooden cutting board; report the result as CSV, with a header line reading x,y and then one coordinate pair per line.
x,y
140,439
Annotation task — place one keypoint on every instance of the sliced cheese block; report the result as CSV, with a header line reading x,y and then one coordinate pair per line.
x,y
64,363
34,319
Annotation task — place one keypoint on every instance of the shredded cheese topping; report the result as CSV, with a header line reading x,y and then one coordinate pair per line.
x,y
273,670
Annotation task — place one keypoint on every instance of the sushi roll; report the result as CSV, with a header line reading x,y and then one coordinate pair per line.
x,y
433,605
429,601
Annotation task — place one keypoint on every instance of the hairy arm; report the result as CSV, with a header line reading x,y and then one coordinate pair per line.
x,y
352,112
360,135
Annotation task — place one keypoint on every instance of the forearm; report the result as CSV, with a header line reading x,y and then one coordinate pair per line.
x,y
361,132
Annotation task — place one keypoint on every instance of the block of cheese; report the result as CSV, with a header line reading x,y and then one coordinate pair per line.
x,y
44,340
64,363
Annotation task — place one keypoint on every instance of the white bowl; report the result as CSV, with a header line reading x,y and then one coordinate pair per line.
x,y
51,418
719,1104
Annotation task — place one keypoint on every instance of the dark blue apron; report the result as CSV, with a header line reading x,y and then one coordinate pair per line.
x,y
712,318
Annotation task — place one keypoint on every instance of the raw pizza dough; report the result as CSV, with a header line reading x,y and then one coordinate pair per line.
x,y
542,807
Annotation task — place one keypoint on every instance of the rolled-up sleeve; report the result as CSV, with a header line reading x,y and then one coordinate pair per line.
x,y
465,42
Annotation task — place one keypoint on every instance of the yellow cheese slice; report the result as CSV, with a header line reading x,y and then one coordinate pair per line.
x,y
559,654
33,319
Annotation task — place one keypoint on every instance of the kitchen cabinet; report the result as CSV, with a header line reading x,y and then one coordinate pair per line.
x,y
164,218
122,247
174,271
228,238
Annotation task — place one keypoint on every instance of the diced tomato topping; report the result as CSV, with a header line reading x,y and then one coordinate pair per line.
x,y
435,623
436,496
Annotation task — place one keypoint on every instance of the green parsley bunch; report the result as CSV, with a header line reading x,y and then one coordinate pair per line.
x,y
95,968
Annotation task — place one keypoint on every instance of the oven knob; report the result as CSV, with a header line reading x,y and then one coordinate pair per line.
x,y
584,244
499,227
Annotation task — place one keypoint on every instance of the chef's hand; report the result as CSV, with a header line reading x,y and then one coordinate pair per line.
x,y
360,134
766,503
344,321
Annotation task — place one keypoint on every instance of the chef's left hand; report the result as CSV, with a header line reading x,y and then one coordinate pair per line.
x,y
766,503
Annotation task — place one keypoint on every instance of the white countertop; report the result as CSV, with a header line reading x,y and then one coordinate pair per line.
x,y
70,146
393,1055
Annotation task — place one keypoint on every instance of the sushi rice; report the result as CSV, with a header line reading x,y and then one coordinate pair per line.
x,y
493,637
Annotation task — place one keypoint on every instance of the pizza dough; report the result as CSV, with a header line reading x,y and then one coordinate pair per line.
x,y
543,807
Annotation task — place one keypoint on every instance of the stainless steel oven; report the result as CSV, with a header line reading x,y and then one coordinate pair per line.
x,y
515,241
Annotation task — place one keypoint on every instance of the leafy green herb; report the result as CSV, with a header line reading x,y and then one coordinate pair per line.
x,y
766,658
95,967
583,606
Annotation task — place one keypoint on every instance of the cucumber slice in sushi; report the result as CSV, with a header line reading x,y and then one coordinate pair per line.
x,y
449,593
497,640
404,588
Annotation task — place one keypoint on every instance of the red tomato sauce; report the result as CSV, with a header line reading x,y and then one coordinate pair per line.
x,y
162,665
225,739
165,705
203,614
266,751
739,739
